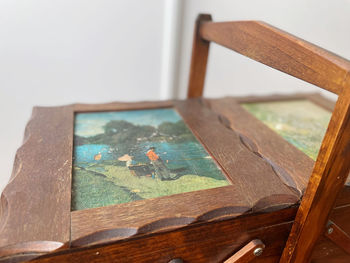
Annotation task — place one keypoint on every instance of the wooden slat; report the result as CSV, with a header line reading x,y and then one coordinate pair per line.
x,y
128,220
325,250
294,166
246,253
322,101
338,236
207,242
281,51
200,50
327,180
253,175
35,205
122,106
294,162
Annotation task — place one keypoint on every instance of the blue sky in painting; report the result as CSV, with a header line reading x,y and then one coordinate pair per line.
x,y
90,124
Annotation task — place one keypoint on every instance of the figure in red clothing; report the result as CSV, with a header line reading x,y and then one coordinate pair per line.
x,y
160,169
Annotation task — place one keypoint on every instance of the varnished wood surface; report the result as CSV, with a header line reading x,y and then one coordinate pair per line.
x,y
325,250
291,165
28,250
103,224
145,217
338,236
294,166
200,50
255,188
321,101
206,242
310,63
315,97
280,50
246,254
47,169
256,182
35,205
121,106
327,180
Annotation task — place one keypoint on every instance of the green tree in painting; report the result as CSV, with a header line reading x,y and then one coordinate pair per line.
x,y
170,128
125,135
119,132
178,131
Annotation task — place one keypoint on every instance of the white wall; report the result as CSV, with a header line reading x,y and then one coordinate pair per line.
x,y
59,51
325,23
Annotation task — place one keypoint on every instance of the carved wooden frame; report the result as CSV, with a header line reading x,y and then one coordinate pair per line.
x,y
35,206
54,227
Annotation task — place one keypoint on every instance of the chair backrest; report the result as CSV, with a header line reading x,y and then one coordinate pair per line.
x,y
296,57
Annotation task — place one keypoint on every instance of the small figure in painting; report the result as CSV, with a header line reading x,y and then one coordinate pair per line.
x,y
135,168
98,156
130,162
160,169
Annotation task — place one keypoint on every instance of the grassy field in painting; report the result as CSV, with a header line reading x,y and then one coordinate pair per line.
x,y
163,154
105,184
300,122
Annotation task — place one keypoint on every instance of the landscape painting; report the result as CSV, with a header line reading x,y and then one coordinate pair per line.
x,y
301,122
126,156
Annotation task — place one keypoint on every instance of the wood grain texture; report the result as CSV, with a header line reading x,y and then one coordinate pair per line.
x,y
206,242
341,217
143,218
317,66
338,236
256,182
321,101
120,106
247,194
294,166
325,250
246,253
47,168
101,225
344,196
208,248
280,50
28,250
35,205
200,50
291,165
327,180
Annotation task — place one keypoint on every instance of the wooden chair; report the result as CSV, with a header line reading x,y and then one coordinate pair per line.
x,y
289,54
